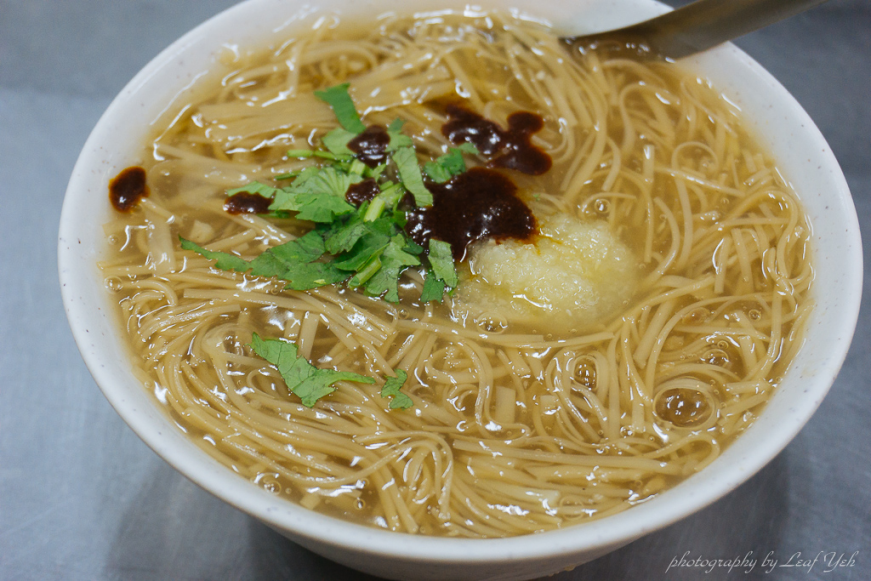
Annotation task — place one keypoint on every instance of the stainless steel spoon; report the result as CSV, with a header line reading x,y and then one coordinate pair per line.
x,y
698,26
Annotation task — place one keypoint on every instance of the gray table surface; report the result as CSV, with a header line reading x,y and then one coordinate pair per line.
x,y
81,497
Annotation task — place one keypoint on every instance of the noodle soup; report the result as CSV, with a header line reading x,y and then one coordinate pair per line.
x,y
529,413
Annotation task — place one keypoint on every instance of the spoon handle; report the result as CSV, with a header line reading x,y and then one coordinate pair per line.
x,y
706,23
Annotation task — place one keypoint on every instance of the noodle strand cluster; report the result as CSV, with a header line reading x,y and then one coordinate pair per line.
x,y
515,429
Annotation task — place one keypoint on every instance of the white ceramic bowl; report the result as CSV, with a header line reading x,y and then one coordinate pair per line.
x,y
782,126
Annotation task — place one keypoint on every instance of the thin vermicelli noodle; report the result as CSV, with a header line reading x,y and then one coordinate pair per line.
x,y
518,426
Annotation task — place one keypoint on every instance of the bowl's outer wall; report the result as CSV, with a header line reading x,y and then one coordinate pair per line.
x,y
781,125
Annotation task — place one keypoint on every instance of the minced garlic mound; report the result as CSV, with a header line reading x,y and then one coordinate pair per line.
x,y
573,275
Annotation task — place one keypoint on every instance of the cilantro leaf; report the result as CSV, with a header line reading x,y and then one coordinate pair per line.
x,y
284,197
224,260
409,171
318,195
369,246
453,161
268,265
387,224
397,138
450,164
393,261
306,248
302,378
321,207
255,188
292,261
433,288
412,247
333,181
341,237
302,276
442,261
277,260
389,196
436,172
337,141
391,388
338,98
374,172
468,148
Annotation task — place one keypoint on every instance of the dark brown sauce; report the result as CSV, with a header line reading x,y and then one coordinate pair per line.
x,y
362,192
480,203
245,203
520,154
464,125
371,145
127,188
515,144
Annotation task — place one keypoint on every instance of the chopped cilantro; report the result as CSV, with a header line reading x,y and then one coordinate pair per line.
x,y
320,208
413,247
338,98
267,264
436,172
397,138
302,276
332,181
318,195
390,195
369,247
306,248
442,275
285,196
341,236
302,378
433,288
364,246
337,141
374,172
391,388
365,272
409,171
276,261
293,261
450,164
254,188
394,259
358,167
468,148
442,261
225,261
375,209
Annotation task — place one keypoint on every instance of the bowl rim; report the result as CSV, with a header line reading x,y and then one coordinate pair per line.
x,y
667,508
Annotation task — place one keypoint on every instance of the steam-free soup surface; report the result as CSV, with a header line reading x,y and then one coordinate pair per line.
x,y
571,374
